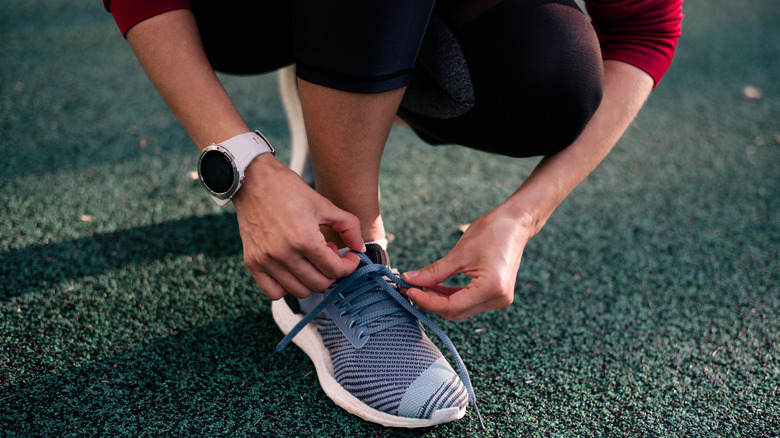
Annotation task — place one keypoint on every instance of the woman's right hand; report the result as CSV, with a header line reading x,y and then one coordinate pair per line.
x,y
279,218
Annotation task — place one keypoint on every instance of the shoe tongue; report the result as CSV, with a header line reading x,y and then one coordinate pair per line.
x,y
377,255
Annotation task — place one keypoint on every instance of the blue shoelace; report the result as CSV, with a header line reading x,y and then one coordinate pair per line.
x,y
375,312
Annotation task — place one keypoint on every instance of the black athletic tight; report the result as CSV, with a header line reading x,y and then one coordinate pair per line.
x,y
526,75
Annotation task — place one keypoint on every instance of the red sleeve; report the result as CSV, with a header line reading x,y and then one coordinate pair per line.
x,y
643,33
128,13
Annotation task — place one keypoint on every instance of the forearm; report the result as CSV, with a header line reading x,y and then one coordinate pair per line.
x,y
169,49
625,90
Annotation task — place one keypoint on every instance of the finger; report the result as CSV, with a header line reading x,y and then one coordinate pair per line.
x,y
270,287
434,273
288,281
346,224
450,307
314,279
333,247
439,289
329,263
461,304
352,260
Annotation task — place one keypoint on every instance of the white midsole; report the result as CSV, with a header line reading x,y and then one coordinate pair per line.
x,y
310,342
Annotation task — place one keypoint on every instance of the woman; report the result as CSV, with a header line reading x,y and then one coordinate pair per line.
x,y
514,77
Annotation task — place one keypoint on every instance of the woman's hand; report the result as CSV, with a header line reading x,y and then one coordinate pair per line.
x,y
279,218
489,252
491,248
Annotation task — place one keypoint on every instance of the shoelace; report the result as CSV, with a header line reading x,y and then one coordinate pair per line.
x,y
350,292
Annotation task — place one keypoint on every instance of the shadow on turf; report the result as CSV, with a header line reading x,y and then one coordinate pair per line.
x,y
199,382
203,381
29,268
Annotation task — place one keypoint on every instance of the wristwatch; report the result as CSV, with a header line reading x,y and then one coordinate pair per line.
x,y
221,166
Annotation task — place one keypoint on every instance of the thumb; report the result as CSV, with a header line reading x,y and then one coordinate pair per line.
x,y
344,223
432,274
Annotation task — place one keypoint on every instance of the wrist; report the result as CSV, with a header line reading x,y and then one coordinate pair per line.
x,y
222,166
512,224
525,214
542,192
256,172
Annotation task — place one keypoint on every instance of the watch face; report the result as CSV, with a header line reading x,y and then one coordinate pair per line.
x,y
216,171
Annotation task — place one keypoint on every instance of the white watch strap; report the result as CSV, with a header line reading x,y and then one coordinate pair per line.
x,y
244,148
220,202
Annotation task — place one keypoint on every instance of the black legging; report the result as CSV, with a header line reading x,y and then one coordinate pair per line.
x,y
534,66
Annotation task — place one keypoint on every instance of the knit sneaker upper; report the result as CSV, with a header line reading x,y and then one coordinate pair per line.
x,y
378,348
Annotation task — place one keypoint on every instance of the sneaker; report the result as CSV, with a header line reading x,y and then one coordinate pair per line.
x,y
370,351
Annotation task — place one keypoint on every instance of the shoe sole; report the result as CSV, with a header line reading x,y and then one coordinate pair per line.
x,y
310,342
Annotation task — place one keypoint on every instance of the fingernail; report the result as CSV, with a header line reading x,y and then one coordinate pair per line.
x,y
412,274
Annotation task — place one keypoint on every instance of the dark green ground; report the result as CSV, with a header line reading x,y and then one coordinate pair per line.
x,y
649,305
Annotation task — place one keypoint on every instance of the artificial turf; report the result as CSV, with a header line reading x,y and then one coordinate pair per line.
x,y
648,306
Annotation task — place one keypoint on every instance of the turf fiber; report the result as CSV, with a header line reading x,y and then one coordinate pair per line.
x,y
648,306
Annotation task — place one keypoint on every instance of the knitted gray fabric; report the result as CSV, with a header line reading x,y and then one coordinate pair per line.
x,y
399,371
382,372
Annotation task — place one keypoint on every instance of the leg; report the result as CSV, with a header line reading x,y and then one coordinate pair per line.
x,y
229,32
347,134
376,362
536,71
353,60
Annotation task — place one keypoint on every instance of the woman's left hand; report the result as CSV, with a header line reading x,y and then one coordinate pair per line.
x,y
489,252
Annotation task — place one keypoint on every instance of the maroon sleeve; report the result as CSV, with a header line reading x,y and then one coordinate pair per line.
x,y
128,13
643,33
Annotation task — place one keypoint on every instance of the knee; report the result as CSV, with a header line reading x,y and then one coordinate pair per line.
x,y
555,84
530,119
541,117
559,107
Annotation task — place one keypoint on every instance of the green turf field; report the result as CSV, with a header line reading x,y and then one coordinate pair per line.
x,y
648,306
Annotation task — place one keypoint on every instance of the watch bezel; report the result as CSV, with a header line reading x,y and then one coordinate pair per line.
x,y
236,173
